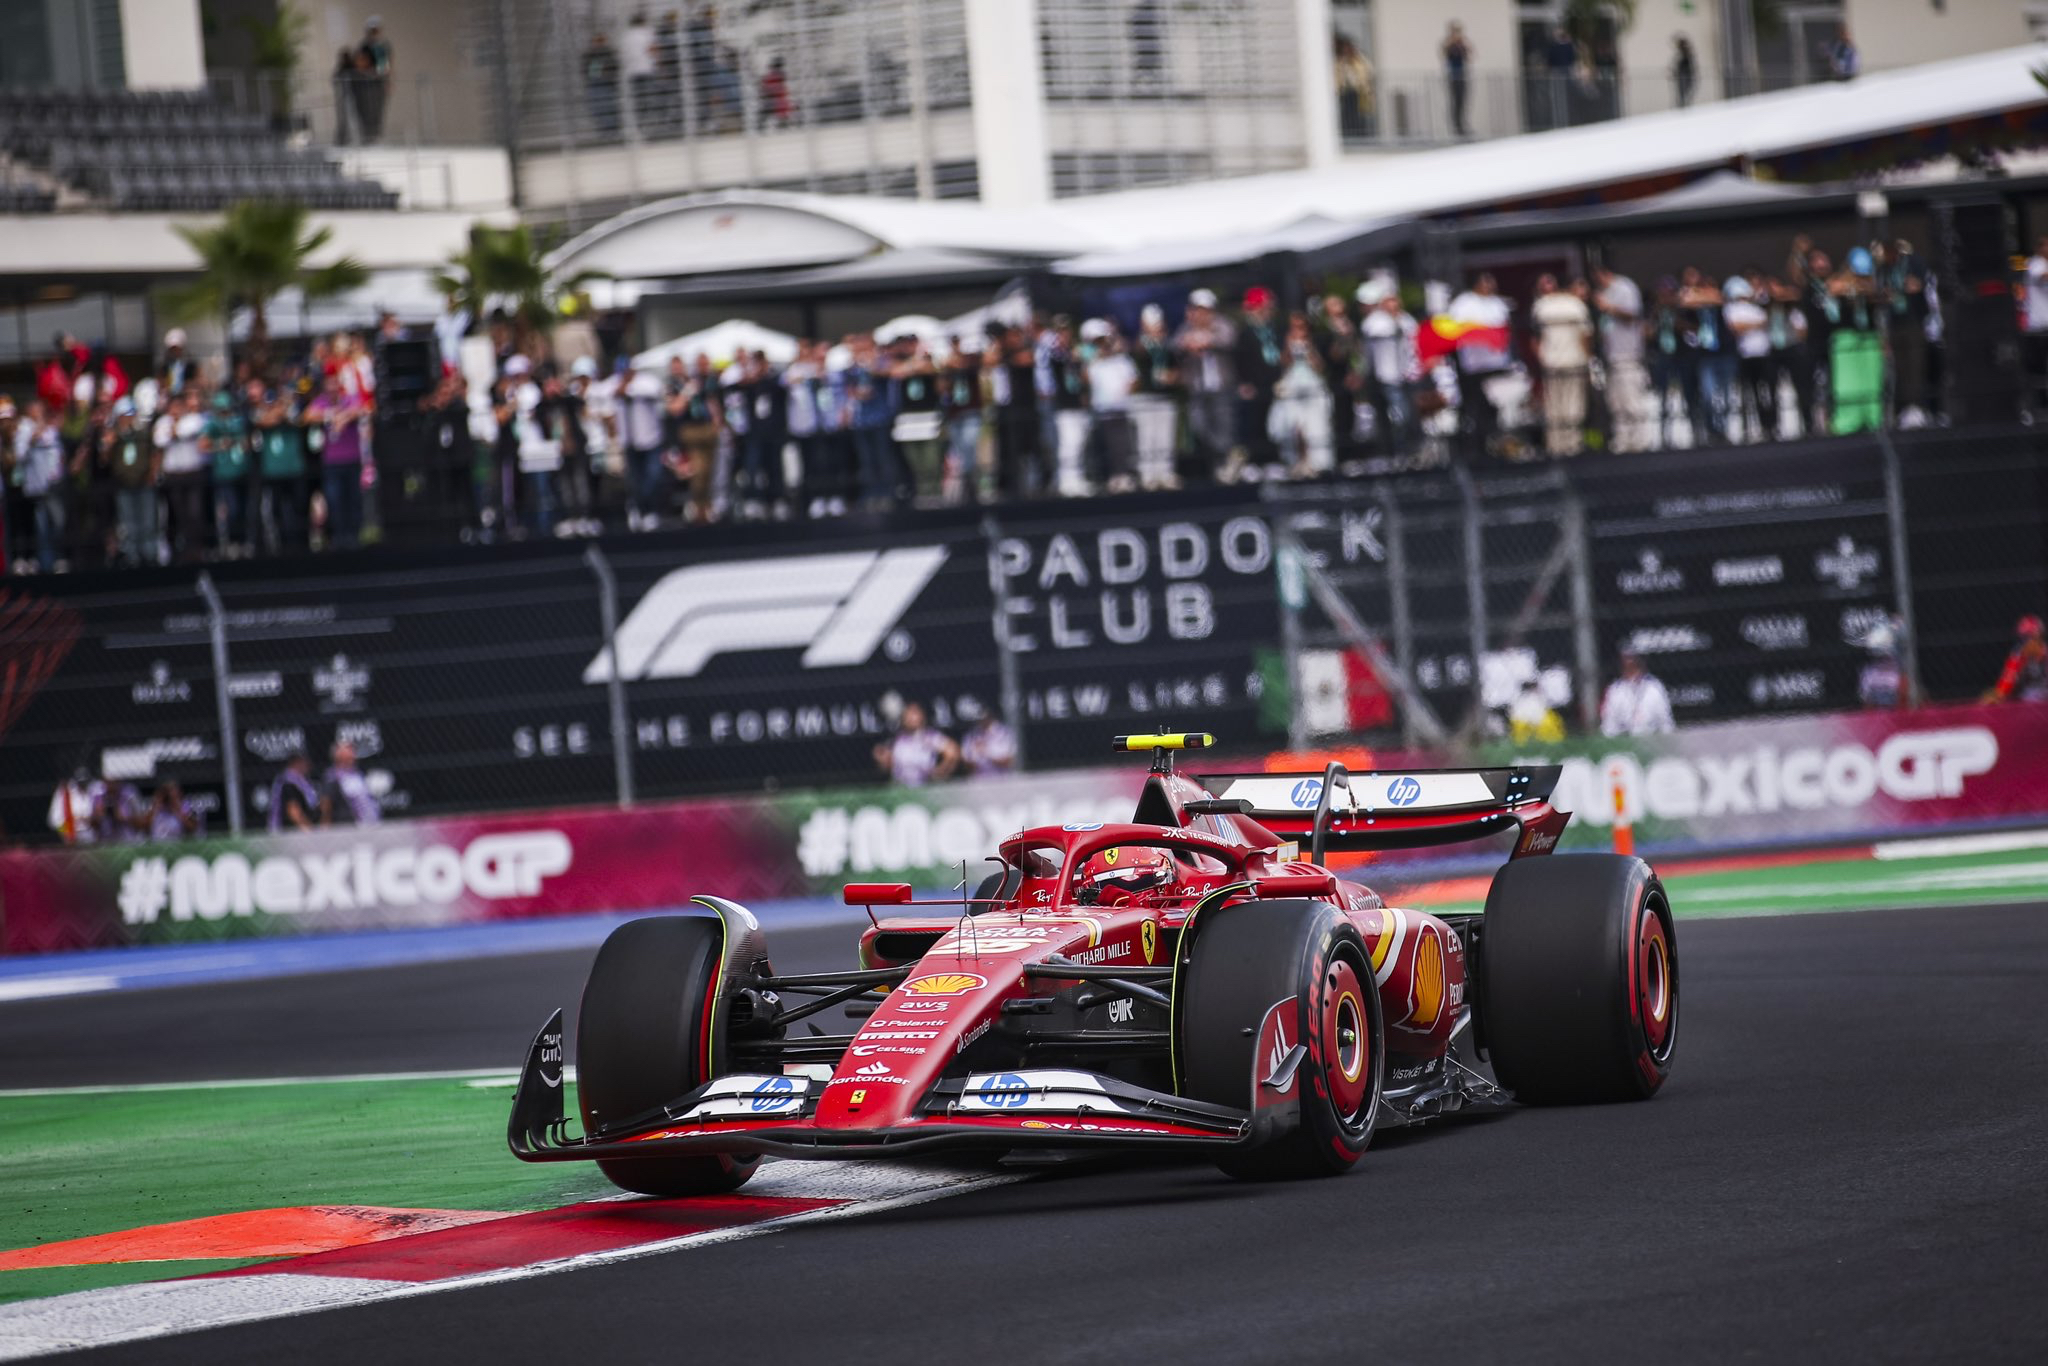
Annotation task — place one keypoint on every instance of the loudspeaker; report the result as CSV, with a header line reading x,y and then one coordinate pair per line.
x,y
1983,376
406,372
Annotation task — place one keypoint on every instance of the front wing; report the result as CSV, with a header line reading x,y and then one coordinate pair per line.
x,y
772,1115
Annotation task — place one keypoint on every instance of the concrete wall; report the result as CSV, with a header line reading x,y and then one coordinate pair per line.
x,y
1012,155
1902,32
74,244
161,45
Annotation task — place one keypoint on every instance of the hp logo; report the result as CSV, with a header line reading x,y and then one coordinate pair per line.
x,y
1306,793
1006,1092
1404,792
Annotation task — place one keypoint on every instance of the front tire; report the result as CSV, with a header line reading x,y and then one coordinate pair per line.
x,y
1243,960
645,1036
1580,979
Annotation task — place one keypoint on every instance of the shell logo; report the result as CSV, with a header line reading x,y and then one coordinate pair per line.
x,y
944,984
1429,980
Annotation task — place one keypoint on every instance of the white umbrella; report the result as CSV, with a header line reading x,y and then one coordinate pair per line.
x,y
922,326
721,343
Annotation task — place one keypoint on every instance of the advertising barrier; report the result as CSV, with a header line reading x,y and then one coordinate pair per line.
x,y
1793,779
411,874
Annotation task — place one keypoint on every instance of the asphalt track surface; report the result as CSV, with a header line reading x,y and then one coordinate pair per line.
x,y
1847,1166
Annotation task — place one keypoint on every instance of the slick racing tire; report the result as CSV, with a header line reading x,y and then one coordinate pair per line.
x,y
640,1043
1241,961
1579,979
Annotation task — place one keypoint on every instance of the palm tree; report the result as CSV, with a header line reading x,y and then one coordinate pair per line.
x,y
259,248
507,267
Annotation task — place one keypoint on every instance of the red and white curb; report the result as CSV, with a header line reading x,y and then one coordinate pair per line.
x,y
134,1313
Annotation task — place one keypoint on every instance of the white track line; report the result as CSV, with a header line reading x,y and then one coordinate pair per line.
x,y
136,1313
1991,842
480,1076
70,984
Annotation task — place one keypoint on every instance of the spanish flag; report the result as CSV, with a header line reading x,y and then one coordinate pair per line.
x,y
1444,334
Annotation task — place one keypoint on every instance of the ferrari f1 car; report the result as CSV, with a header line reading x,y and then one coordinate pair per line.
x,y
1185,982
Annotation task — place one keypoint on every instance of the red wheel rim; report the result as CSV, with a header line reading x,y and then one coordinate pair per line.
x,y
1347,1041
1656,986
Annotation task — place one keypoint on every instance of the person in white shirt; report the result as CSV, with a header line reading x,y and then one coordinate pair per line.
x,y
917,754
1112,379
2037,321
1564,334
1391,362
637,56
1299,420
1756,392
1636,702
1620,305
186,477
1481,356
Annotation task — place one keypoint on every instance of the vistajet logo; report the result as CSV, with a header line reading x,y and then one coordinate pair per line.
x,y
358,878
836,607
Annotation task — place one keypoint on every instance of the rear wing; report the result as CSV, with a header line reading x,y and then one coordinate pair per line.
x,y
1344,811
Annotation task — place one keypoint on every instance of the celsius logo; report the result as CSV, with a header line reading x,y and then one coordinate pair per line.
x,y
1404,791
1306,793
837,608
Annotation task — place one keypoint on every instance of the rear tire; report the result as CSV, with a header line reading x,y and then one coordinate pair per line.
x,y
641,1042
1579,980
1243,960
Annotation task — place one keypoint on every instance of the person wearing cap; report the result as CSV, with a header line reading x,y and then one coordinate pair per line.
x,y
2025,675
1155,418
1112,383
1387,334
541,419
1755,404
643,422
1207,347
1261,357
1856,358
1636,702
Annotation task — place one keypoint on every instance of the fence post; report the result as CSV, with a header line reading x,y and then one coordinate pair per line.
x,y
223,701
615,682
1475,586
1902,578
999,625
1290,563
1585,645
1401,611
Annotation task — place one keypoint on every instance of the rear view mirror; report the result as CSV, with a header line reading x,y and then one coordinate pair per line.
x,y
1296,884
877,894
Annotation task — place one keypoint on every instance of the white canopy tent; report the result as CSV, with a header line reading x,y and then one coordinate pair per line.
x,y
721,343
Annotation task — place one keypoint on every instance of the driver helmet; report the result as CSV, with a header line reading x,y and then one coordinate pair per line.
x,y
1127,870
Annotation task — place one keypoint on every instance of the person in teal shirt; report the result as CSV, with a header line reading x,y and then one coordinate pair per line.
x,y
282,464
226,440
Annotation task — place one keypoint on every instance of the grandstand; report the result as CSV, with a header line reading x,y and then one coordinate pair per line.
x,y
149,150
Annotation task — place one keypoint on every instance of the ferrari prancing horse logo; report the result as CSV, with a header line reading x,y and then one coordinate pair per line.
x,y
1148,938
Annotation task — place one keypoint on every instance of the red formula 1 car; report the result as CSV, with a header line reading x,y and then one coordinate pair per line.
x,y
1186,982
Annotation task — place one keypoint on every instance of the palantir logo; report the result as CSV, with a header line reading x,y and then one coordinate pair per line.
x,y
837,607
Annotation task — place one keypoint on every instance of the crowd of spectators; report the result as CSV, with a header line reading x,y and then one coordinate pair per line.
x,y
178,466
109,809
98,470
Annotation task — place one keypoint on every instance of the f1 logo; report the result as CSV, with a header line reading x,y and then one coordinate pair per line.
x,y
837,607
